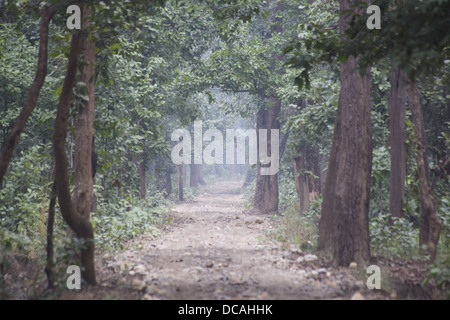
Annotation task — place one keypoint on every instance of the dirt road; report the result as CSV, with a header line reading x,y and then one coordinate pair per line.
x,y
217,249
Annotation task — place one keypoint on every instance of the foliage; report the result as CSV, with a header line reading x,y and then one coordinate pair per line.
x,y
115,223
439,273
288,194
397,240
300,230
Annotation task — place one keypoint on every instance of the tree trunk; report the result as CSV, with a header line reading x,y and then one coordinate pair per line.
x,y
397,128
195,174
267,117
430,225
344,223
305,169
301,184
180,182
142,177
266,191
168,183
50,265
200,176
185,169
83,182
283,143
218,170
47,13
77,222
249,177
163,177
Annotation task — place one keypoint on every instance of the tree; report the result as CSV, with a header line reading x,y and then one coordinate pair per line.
x,y
430,225
76,220
266,190
47,13
83,182
397,129
344,225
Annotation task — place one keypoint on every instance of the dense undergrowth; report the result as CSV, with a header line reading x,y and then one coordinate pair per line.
x,y
23,219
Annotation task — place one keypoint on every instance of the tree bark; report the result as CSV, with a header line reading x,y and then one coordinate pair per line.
x,y
47,13
267,117
397,128
163,176
218,170
195,175
180,182
249,177
344,223
200,176
142,176
168,183
76,221
301,184
83,185
184,171
306,168
266,191
430,225
50,265
283,142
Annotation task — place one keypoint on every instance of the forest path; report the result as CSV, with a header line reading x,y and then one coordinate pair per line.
x,y
217,249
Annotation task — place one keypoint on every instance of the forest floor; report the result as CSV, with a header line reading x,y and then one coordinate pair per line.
x,y
214,248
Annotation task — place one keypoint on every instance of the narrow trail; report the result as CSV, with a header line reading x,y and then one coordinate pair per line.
x,y
217,249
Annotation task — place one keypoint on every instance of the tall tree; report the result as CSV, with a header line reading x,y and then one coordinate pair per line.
x,y
47,13
397,129
344,225
73,214
266,190
83,182
430,225
268,117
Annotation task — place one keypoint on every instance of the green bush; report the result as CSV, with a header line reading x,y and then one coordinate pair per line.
x,y
117,222
300,230
439,273
399,239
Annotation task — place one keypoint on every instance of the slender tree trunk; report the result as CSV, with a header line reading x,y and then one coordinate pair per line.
x,y
142,177
250,176
283,143
195,174
344,223
77,222
50,265
305,169
83,185
397,128
322,172
94,160
185,169
218,170
200,175
163,177
168,183
267,117
47,13
301,184
430,225
266,191
180,182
